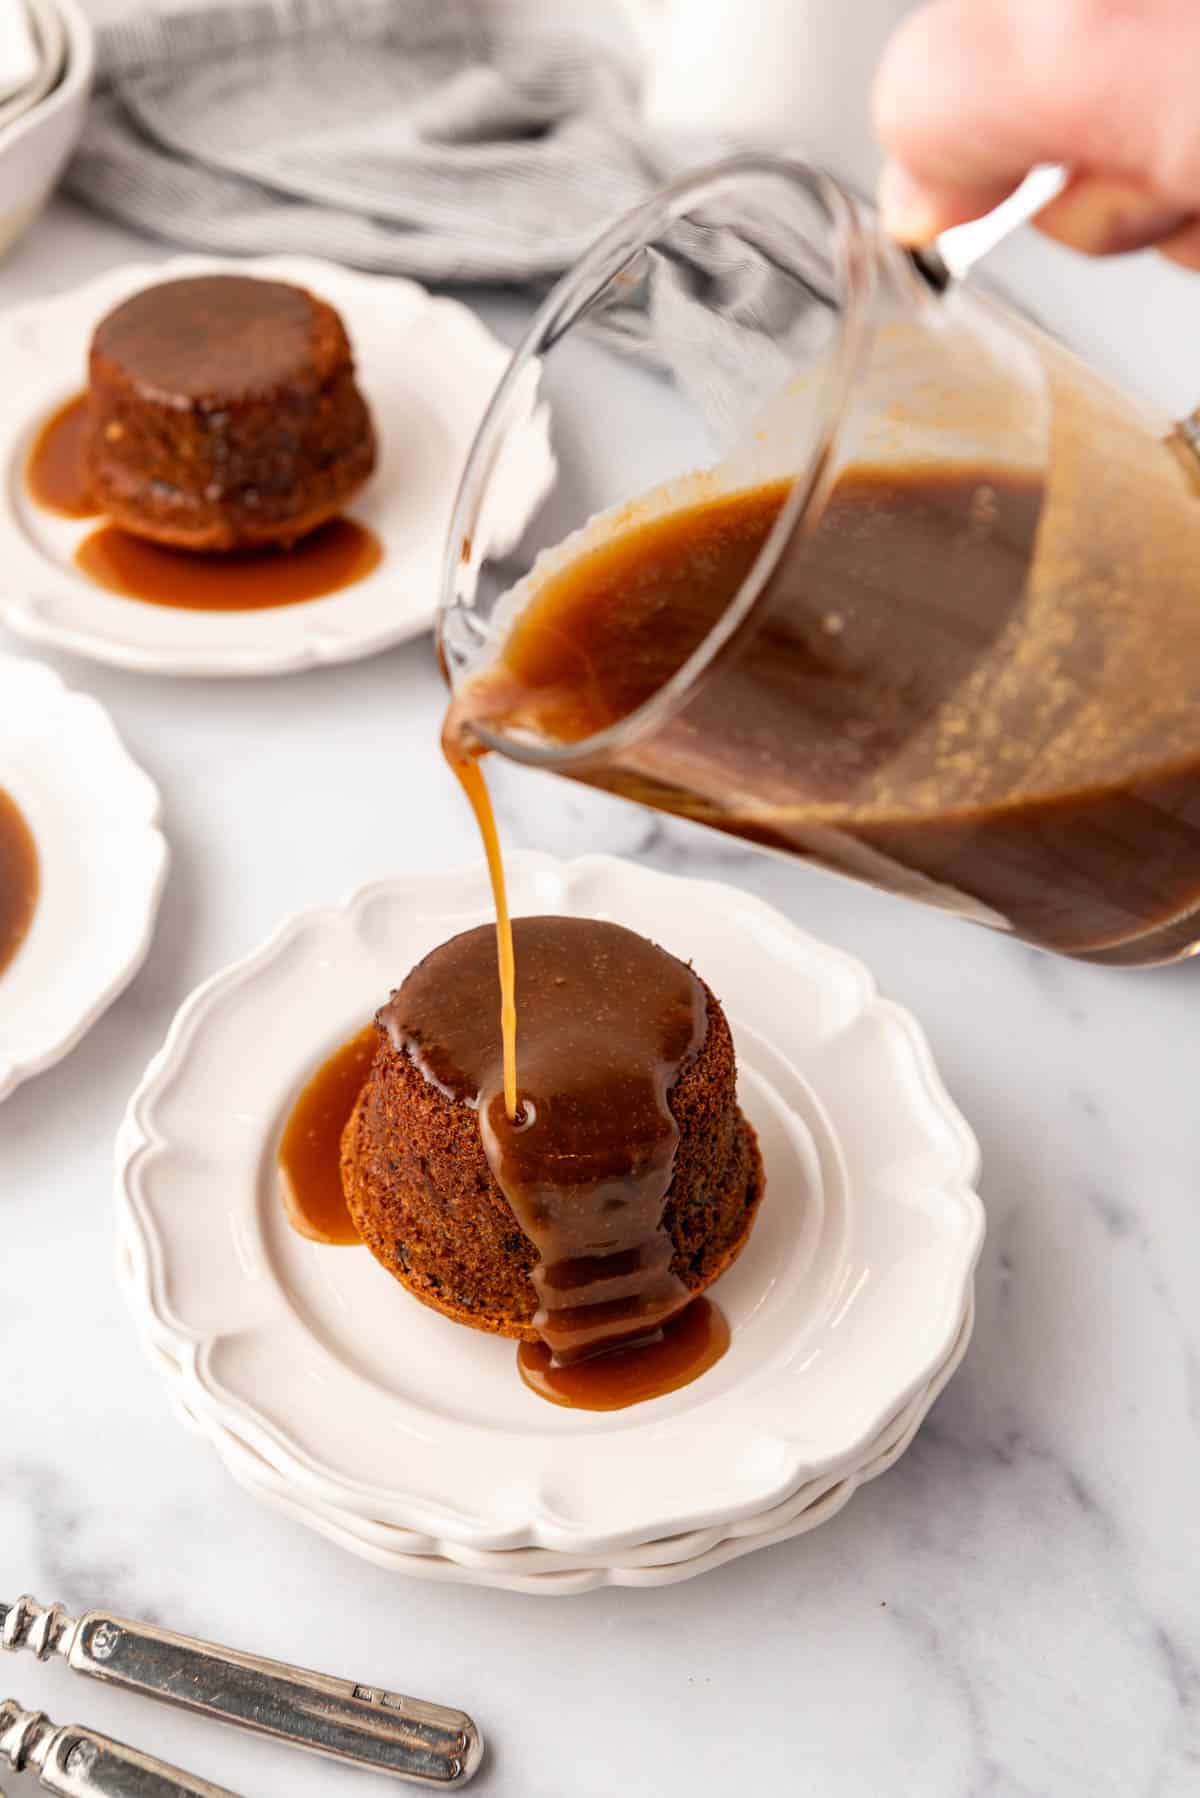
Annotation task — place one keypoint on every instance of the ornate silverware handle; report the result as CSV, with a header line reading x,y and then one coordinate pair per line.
x,y
79,1763
369,1727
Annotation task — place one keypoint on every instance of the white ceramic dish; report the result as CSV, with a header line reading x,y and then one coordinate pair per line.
x,y
22,54
94,818
35,145
843,1306
49,43
541,1573
427,367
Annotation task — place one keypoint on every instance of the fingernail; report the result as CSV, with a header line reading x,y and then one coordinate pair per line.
x,y
906,209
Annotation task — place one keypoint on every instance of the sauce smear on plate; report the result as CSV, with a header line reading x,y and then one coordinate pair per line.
x,y
54,473
18,878
310,1148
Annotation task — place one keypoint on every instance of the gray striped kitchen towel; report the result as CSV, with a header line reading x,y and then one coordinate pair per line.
x,y
451,140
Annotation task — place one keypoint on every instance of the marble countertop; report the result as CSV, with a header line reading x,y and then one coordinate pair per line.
x,y
1014,1609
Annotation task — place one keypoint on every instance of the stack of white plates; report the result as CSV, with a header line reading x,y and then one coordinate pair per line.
x,y
333,1396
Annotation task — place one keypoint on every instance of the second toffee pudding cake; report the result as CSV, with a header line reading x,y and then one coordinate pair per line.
x,y
223,414
627,1181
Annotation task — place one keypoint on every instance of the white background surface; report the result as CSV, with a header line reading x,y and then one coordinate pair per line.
x,y
1014,1609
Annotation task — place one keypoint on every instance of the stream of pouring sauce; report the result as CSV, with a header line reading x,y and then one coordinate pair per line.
x,y
462,752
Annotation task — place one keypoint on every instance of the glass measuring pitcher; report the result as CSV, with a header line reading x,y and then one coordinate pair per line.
x,y
868,573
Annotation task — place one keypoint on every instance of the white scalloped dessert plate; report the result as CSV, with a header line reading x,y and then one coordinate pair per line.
x,y
845,1302
102,860
387,1542
427,367
662,1563
543,1572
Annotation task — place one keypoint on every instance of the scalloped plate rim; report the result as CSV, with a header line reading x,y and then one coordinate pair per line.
x,y
574,1581
902,1425
540,1526
16,1070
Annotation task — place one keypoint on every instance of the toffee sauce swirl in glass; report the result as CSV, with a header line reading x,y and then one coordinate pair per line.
x,y
958,651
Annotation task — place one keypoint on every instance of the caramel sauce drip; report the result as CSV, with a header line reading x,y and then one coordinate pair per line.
x,y
687,1346
19,878
310,1147
608,1022
462,752
54,473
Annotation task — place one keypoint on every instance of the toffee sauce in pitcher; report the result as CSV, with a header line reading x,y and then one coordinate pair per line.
x,y
937,691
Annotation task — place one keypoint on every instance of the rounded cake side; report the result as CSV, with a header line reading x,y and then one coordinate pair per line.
x,y
256,441
425,1202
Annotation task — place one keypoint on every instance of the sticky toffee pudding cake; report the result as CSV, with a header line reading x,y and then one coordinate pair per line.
x,y
223,414
628,1180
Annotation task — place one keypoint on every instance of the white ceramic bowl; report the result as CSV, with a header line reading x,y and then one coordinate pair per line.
x,y
845,1303
50,43
34,148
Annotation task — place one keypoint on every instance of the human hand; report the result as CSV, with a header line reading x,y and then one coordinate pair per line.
x,y
972,93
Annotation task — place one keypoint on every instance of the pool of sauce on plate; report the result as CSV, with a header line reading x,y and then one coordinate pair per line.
x,y
19,878
333,557
54,473
586,1160
252,580
310,1147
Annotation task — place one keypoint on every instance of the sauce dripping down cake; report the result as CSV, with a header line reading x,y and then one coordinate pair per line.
x,y
627,1181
